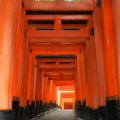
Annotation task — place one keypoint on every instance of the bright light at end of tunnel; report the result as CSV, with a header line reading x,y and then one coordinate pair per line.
x,y
73,0
44,0
67,91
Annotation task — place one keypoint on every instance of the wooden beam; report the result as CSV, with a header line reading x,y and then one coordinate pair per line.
x,y
55,52
59,5
57,66
58,70
33,25
56,40
42,61
33,33
60,17
37,46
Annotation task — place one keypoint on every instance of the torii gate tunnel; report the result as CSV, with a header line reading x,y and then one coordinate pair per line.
x,y
59,54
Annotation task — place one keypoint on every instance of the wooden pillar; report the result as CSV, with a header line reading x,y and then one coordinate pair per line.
x,y
7,46
110,59
91,85
100,56
31,85
30,79
35,80
49,91
54,93
51,84
117,29
88,90
42,85
45,97
80,78
100,60
17,81
38,87
16,61
45,88
57,24
110,54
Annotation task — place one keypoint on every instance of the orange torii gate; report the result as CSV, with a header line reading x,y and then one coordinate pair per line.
x,y
96,47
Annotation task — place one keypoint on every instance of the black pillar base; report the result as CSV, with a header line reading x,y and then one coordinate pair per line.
x,y
37,108
118,113
33,109
22,114
78,104
7,115
50,105
41,107
102,113
30,111
26,113
16,108
81,111
45,107
53,106
95,114
112,109
87,113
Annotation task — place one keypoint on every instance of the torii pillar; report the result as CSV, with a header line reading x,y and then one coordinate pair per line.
x,y
100,60
116,7
7,45
110,59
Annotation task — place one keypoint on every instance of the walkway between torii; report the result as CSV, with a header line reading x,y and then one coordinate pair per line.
x,y
59,115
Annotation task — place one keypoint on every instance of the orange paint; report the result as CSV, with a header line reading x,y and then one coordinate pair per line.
x,y
100,56
31,78
117,30
7,45
80,77
110,50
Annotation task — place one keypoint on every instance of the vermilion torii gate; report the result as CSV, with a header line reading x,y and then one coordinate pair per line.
x,y
49,45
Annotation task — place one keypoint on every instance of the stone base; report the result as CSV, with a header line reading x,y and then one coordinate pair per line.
x,y
118,113
30,111
16,108
7,115
102,113
95,114
77,108
112,109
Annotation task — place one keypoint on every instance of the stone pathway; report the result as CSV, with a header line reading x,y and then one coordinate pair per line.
x,y
59,115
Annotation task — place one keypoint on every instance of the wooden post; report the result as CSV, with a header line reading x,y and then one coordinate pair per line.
x,y
110,59
7,46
